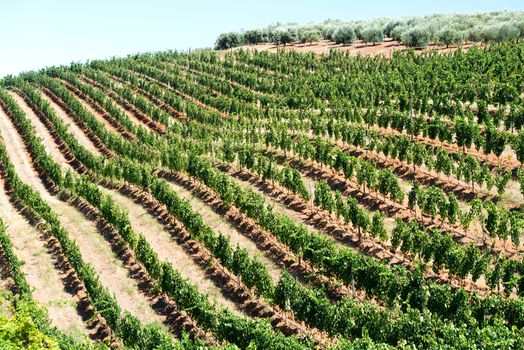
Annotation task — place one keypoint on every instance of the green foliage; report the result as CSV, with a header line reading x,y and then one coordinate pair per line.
x,y
285,36
18,329
344,35
227,41
324,112
417,37
309,36
372,35
449,36
414,31
254,36
377,226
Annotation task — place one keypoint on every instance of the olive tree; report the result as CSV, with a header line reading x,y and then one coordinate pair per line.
x,y
254,36
309,36
285,36
474,34
228,40
449,36
520,26
416,37
372,35
390,26
398,32
344,35
506,32
328,32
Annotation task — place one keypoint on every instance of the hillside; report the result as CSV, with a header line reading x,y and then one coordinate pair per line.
x,y
269,200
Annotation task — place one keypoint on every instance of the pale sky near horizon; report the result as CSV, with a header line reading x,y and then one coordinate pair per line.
x,y
39,33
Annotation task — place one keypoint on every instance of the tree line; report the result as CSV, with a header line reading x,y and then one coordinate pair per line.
x,y
411,31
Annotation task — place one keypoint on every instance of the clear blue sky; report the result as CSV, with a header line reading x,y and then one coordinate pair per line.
x,y
39,33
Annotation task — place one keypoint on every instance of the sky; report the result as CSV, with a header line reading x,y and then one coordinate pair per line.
x,y
40,33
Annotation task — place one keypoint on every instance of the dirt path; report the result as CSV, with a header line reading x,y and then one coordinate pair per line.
x,y
309,182
167,248
374,201
277,206
297,217
220,224
136,116
334,228
130,115
48,289
97,115
173,113
43,133
72,127
94,248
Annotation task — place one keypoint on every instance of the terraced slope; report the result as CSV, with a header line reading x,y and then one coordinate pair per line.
x,y
280,200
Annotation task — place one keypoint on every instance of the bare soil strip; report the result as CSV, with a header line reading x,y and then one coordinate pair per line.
x,y
42,132
178,320
168,249
39,268
225,280
94,249
73,128
58,104
220,225
98,112
340,231
134,114
266,242
159,103
374,201
386,48
277,205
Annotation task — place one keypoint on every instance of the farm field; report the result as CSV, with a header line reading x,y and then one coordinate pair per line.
x,y
369,196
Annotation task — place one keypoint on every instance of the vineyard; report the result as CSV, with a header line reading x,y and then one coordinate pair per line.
x,y
266,200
